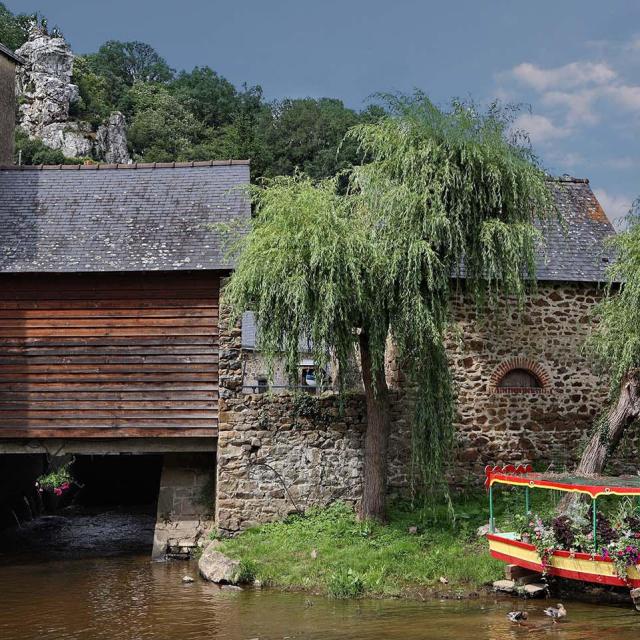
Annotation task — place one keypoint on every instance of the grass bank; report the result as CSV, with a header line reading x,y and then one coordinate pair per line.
x,y
328,551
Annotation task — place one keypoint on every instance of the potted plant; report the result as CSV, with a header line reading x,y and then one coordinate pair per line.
x,y
53,485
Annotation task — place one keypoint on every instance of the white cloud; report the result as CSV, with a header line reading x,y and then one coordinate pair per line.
x,y
539,128
615,206
626,96
569,160
574,74
579,105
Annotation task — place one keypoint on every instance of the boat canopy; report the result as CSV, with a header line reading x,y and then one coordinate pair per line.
x,y
594,486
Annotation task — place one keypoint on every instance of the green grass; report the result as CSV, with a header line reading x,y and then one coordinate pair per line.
x,y
362,558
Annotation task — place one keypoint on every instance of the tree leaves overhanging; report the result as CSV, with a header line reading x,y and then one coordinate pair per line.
x,y
441,194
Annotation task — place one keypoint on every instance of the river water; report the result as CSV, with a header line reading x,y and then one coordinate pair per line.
x,y
62,579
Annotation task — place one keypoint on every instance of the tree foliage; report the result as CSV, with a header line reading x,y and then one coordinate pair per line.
x,y
208,117
14,29
122,64
615,345
306,134
161,129
209,96
441,193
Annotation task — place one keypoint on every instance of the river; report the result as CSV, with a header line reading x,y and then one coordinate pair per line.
x,y
62,579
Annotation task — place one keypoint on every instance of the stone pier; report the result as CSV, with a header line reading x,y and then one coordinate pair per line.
x,y
185,503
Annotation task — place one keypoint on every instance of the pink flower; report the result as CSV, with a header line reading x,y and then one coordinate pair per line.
x,y
57,491
64,486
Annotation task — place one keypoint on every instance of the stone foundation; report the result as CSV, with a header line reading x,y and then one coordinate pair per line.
x,y
282,453
184,503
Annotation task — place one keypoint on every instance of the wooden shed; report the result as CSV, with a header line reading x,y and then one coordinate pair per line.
x,y
109,286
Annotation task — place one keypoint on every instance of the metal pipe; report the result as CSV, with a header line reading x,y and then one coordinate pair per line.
x,y
526,501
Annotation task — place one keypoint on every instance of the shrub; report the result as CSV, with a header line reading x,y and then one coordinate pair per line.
x,y
345,583
246,572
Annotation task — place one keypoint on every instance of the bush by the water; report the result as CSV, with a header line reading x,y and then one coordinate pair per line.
x,y
330,551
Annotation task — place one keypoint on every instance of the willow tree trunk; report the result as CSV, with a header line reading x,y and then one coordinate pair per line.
x,y
604,441
376,442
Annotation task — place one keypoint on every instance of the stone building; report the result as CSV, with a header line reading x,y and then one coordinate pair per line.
x,y
112,341
525,390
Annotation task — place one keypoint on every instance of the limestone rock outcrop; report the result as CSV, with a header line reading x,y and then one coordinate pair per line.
x,y
46,93
44,82
111,140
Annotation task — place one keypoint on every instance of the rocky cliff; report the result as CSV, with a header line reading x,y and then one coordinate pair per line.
x,y
45,94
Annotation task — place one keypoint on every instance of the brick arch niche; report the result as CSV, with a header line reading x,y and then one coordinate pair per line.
x,y
526,364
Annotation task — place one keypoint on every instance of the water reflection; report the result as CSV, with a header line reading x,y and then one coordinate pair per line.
x,y
131,598
74,593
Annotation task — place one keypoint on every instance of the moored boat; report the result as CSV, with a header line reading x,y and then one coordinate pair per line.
x,y
597,565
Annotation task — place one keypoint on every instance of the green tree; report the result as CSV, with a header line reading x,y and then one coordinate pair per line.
x,y
95,103
243,138
14,28
441,191
307,134
161,129
615,347
123,64
209,96
13,31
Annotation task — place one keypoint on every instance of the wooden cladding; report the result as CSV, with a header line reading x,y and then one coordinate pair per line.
x,y
103,355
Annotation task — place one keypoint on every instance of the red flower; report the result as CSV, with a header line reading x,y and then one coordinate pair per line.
x,y
57,491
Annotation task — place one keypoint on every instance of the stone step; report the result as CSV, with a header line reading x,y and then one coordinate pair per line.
x,y
506,586
535,589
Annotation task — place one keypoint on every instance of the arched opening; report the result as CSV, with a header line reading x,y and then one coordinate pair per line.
x,y
519,379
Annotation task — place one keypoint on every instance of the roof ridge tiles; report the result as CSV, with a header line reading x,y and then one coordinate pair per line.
x,y
567,178
134,165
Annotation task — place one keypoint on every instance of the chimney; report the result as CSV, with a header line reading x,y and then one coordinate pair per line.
x,y
8,62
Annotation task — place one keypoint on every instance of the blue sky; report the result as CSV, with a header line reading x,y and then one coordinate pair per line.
x,y
575,64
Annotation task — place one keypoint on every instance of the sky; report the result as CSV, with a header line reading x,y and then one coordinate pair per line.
x,y
572,65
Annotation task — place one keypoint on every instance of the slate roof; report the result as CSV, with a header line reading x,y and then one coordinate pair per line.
x,y
7,53
572,251
575,250
140,217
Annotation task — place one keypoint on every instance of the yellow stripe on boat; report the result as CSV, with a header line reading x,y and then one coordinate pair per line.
x,y
595,568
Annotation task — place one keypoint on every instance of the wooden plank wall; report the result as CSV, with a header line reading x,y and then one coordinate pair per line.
x,y
109,355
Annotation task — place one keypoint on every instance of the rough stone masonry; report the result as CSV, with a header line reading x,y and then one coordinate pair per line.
x,y
278,454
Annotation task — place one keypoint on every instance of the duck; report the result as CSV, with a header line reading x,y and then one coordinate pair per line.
x,y
556,613
517,616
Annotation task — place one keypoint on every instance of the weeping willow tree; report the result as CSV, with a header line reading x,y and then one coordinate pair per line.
x,y
615,348
442,193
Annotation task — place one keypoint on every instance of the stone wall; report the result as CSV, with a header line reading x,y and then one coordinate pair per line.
x,y
184,512
279,454
543,425
318,456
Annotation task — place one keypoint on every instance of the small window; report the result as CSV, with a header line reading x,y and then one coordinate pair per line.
x,y
519,379
308,377
262,384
